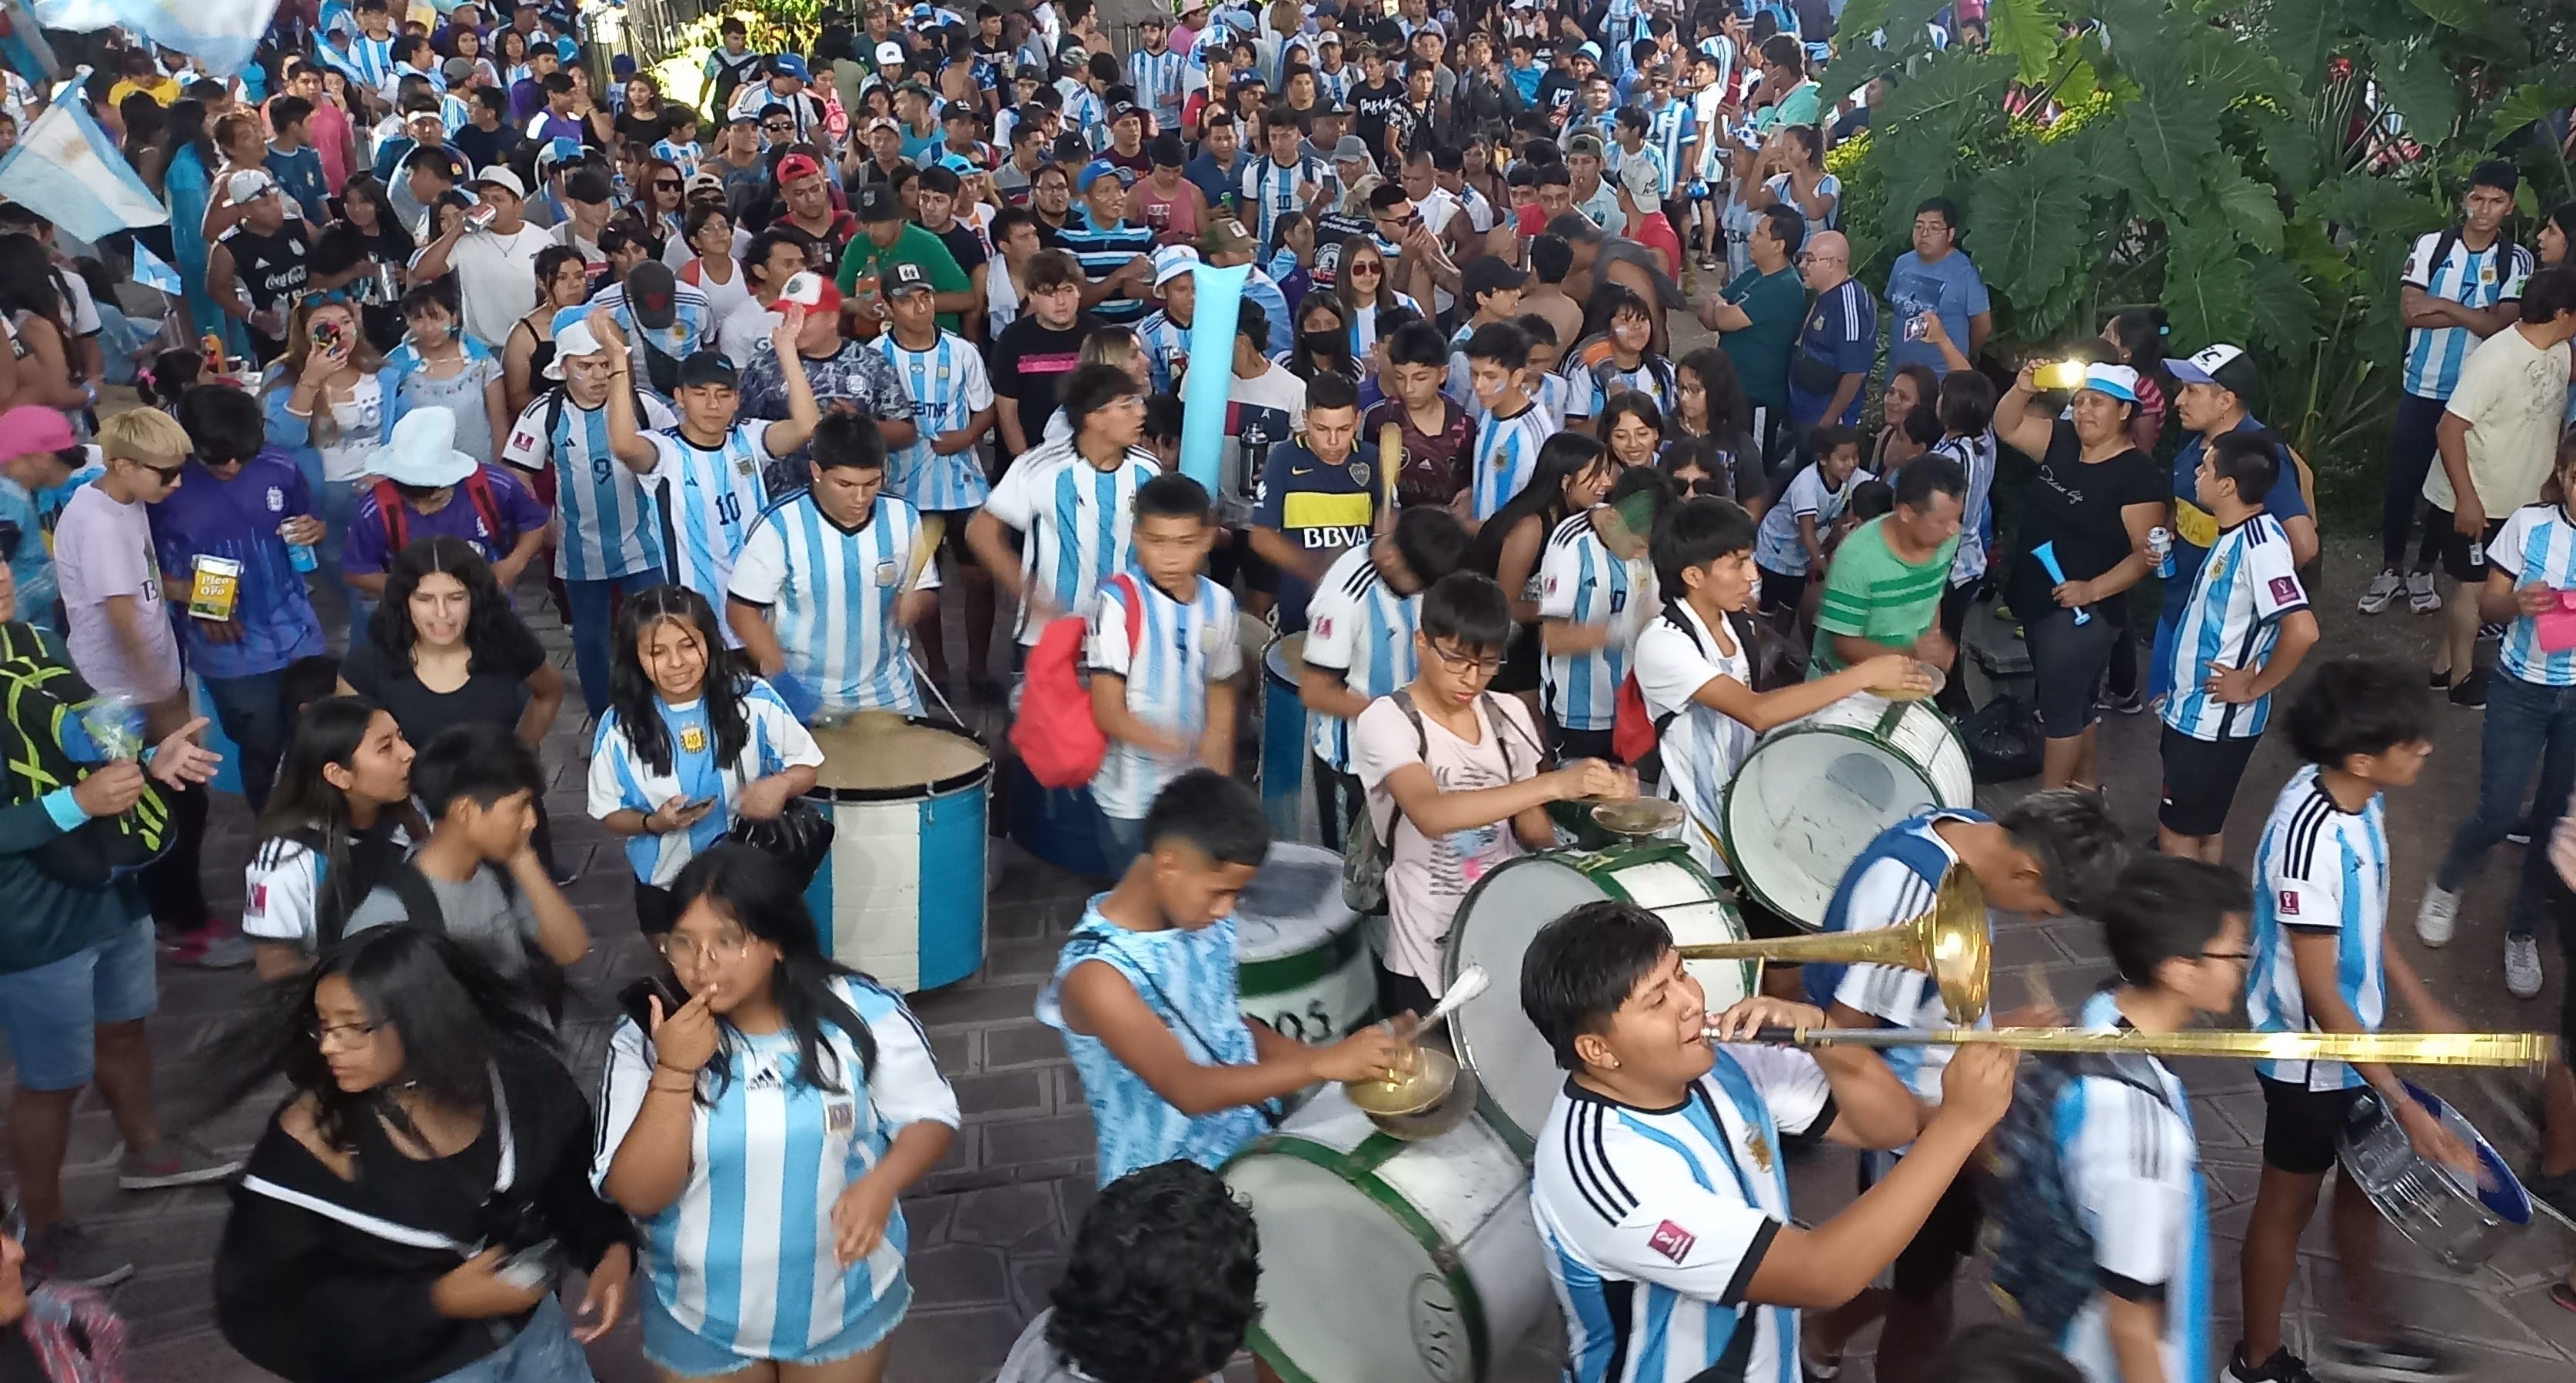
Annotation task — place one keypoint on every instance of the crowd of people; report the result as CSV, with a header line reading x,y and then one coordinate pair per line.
x,y
748,381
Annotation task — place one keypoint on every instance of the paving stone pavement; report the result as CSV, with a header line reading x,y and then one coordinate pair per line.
x,y
990,1225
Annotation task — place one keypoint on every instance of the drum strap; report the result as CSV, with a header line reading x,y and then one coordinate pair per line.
x,y
1083,948
1737,1357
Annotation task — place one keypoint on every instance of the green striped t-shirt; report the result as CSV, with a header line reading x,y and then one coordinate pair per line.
x,y
1872,594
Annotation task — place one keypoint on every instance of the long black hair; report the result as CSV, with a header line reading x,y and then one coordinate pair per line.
x,y
1560,458
186,128
637,703
27,284
1728,413
452,1013
754,890
492,628
306,808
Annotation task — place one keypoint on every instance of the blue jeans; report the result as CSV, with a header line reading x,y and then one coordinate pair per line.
x,y
253,711
542,1352
1121,841
2526,724
334,503
592,629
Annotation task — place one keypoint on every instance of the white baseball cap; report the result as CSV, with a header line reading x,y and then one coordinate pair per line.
x,y
499,176
1172,261
248,185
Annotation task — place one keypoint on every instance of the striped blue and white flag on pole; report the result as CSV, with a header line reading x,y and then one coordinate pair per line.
x,y
66,168
152,271
221,34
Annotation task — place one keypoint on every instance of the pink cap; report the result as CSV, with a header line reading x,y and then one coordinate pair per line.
x,y
31,428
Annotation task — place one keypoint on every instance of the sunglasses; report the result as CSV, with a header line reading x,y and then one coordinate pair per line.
x,y
1369,268
665,185
169,475
779,127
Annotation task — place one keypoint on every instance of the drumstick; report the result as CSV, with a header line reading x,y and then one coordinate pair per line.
x,y
1390,461
926,549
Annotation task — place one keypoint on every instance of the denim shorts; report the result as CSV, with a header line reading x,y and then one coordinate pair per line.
x,y
543,1351
676,1348
52,1012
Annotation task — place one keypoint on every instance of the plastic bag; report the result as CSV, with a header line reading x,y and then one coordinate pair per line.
x,y
2004,740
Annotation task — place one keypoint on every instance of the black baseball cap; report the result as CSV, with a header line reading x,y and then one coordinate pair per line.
x,y
708,367
1485,274
907,278
653,295
876,203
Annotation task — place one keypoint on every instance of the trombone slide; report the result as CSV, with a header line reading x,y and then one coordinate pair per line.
x,y
2391,1048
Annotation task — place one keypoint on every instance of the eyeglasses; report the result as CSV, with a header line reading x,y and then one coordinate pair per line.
x,y
2240,957
1372,267
665,185
1466,665
342,1034
724,950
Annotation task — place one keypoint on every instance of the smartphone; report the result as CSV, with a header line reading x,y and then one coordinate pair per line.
x,y
636,999
2059,374
326,334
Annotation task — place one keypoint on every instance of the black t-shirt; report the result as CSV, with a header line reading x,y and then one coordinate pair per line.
x,y
1029,360
492,694
272,268
641,132
964,247
484,148
2077,506
1372,105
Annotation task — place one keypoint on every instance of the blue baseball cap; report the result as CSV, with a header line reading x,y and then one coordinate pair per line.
x,y
1094,171
790,64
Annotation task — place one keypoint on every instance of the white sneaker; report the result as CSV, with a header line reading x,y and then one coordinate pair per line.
x,y
2522,966
2434,915
2420,596
2383,592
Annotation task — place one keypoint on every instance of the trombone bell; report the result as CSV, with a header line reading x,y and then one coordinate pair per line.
x,y
1950,942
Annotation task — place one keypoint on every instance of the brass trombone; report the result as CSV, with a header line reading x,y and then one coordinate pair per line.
x,y
1950,942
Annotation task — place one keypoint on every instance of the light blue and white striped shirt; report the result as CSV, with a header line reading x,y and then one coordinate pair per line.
x,y
2472,278
1670,127
1177,651
2245,587
1167,345
1581,581
371,58
1270,189
710,496
2318,869
1079,522
1358,626
948,387
1776,545
1157,80
1893,881
832,592
620,779
1335,87
1504,454
2132,1168
608,521
2536,547
1677,654
744,1258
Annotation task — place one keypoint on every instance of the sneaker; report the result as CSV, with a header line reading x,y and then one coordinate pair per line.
x,y
210,947
2404,1358
66,1254
2439,681
2434,916
2471,693
2420,596
2522,966
2282,1367
2382,592
2126,705
2519,835
183,1162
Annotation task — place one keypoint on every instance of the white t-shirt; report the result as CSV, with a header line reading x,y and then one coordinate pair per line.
x,y
102,550
496,276
360,420
743,327
2512,394
1426,879
1701,744
282,887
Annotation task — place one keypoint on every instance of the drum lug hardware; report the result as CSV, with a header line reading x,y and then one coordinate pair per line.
x,y
1445,1258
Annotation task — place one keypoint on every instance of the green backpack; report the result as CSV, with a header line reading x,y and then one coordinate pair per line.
x,y
40,696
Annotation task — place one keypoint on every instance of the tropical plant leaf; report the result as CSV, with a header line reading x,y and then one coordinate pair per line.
x,y
2206,288
2426,95
2302,35
2025,31
2289,153
2529,102
2318,257
2030,216
2253,209
2173,132
1861,17
2453,14
2285,311
2225,67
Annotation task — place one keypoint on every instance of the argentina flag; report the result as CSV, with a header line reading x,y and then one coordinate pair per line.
x,y
217,33
66,166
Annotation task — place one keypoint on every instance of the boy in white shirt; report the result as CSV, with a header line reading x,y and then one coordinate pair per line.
x,y
1596,589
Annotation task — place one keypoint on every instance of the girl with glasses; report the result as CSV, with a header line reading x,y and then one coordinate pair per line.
x,y
1360,284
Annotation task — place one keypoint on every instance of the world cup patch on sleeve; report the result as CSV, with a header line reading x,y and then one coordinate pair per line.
x,y
1672,1241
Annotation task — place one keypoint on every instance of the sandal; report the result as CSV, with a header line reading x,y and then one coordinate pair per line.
x,y
2564,1295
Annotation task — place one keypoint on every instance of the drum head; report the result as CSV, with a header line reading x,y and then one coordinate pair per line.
x,y
1293,905
877,757
1348,1276
1808,799
1285,660
1494,1039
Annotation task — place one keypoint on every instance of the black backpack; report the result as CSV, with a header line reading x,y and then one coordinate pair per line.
x,y
2044,1263
542,979
40,699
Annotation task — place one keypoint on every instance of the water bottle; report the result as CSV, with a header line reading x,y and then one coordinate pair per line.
x,y
2160,548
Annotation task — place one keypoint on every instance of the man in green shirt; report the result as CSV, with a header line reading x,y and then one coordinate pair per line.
x,y
1788,97
885,239
1757,318
1883,589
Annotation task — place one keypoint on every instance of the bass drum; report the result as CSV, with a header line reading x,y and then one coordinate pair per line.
x,y
1385,1261
1496,923
1812,794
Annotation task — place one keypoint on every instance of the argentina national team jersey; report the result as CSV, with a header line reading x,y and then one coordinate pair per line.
x,y
710,498
1893,882
610,526
1358,626
1582,582
2324,871
1157,80
1167,652
372,59
1270,190
1079,522
1672,126
1506,451
620,779
2537,546
743,1259
1655,1221
832,594
2245,588
948,387
1167,349
1677,654
2132,1168
2479,279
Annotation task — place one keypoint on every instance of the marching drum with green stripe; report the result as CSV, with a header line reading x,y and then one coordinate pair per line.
x,y
1812,794
1496,923
1303,957
1384,1261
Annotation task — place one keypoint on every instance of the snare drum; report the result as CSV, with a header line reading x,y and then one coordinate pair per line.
x,y
2458,1222
1496,922
1303,956
1284,734
1811,794
1385,1261
901,894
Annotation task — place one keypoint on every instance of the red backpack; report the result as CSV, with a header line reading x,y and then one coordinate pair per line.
x,y
1054,733
478,492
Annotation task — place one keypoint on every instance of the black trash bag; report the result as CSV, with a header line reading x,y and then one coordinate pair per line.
x,y
2004,740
